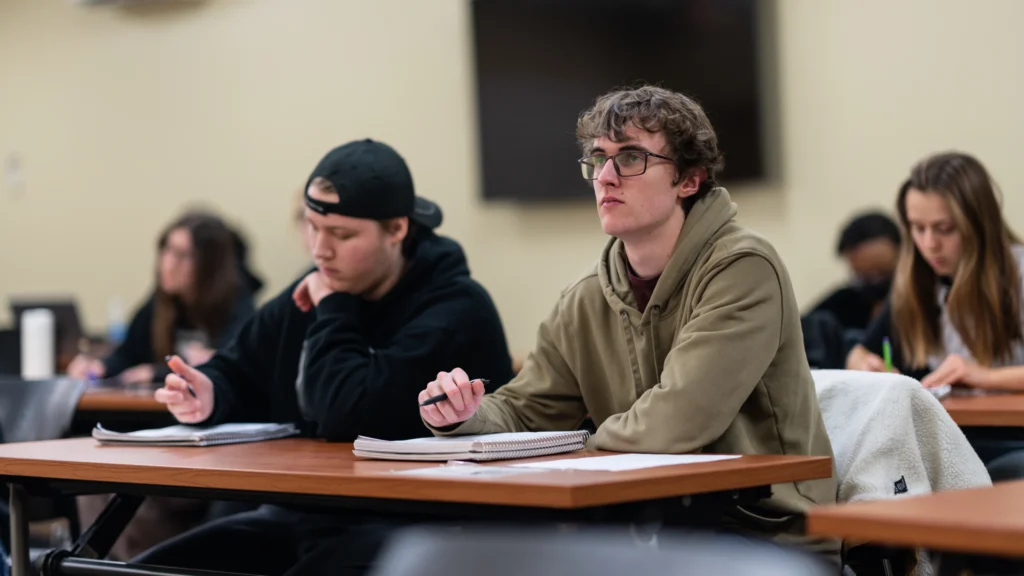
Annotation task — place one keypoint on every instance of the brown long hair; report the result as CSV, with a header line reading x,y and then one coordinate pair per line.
x,y
217,277
984,301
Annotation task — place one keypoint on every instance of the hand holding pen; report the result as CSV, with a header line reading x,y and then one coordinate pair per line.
x,y
187,392
85,366
451,398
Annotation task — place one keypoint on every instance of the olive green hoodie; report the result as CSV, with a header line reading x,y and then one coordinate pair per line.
x,y
714,364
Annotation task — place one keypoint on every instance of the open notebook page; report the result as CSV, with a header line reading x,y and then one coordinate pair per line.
x,y
621,462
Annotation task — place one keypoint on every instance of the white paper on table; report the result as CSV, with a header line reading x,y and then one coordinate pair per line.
x,y
464,472
621,462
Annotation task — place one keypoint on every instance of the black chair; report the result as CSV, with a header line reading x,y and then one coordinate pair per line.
x,y
587,552
33,410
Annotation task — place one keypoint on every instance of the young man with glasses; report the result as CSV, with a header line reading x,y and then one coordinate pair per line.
x,y
684,337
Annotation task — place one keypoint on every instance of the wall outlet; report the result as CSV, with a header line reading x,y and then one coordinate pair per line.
x,y
14,175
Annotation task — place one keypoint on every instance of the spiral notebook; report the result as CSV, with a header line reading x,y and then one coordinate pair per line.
x,y
182,435
502,446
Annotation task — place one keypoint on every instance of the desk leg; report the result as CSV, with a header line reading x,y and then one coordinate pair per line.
x,y
19,533
97,541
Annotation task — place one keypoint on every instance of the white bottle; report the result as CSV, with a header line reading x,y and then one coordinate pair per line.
x,y
116,324
38,344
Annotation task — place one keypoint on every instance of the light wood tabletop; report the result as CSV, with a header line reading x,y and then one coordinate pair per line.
x,y
312,467
986,410
978,521
119,400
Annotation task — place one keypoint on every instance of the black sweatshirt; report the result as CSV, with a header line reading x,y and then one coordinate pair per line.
x,y
137,347
365,362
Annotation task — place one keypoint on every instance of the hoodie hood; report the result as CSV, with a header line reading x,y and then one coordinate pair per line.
x,y
705,219
436,262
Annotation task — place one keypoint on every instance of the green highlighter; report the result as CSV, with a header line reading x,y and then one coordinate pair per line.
x,y
887,354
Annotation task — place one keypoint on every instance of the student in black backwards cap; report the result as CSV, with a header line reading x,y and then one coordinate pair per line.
x,y
342,352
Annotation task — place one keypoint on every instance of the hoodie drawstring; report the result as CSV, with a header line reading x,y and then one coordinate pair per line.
x,y
634,362
655,314
638,381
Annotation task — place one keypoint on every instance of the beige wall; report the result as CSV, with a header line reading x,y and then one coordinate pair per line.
x,y
120,117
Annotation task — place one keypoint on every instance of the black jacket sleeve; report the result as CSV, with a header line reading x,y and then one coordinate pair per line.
x,y
240,368
137,347
848,307
243,310
879,329
351,389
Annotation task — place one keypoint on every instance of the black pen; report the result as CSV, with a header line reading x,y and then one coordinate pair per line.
x,y
435,399
191,390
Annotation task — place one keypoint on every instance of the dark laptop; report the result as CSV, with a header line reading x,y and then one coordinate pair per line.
x,y
10,352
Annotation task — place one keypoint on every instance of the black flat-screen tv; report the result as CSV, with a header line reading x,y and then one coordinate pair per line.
x,y
539,63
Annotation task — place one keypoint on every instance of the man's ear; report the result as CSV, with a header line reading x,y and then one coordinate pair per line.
x,y
690,182
396,228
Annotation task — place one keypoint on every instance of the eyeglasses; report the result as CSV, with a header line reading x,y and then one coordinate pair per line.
x,y
177,253
629,163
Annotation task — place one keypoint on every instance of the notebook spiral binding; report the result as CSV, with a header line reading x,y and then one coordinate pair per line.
x,y
580,436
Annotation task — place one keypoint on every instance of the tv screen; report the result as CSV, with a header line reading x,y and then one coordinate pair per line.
x,y
540,63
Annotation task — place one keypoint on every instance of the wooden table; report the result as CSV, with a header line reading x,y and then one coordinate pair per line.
x,y
302,471
119,400
976,521
311,467
987,410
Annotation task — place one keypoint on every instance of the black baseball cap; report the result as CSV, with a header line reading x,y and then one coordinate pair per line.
x,y
373,182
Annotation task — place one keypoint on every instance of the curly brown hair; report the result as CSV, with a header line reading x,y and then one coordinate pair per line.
x,y
691,139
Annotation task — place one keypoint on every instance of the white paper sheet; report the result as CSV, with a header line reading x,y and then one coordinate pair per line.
x,y
621,462
465,472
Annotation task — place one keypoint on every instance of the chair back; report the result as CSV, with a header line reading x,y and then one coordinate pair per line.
x,y
588,552
37,409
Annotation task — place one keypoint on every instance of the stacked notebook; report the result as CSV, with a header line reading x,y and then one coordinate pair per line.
x,y
480,447
182,435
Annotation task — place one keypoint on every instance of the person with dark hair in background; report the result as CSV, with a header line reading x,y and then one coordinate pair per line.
x,y
204,292
340,353
870,245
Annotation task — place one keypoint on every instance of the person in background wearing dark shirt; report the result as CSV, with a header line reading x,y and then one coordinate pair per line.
x,y
870,245
342,352
203,294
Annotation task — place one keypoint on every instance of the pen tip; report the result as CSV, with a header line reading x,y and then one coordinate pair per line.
x,y
167,358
